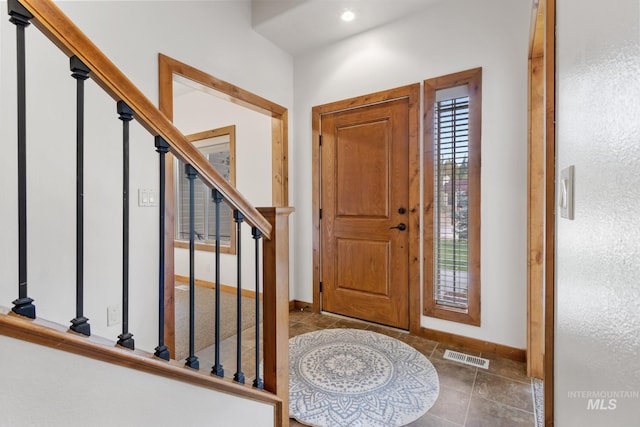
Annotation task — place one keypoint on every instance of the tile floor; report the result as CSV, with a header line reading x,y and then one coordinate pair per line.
x,y
498,396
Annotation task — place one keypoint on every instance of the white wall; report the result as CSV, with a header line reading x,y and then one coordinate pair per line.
x,y
197,111
492,34
64,389
451,36
213,36
597,338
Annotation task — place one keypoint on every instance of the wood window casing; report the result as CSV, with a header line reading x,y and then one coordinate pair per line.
x,y
470,314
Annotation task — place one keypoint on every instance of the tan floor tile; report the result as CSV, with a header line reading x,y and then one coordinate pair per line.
x,y
321,321
451,405
501,395
300,328
504,390
298,316
428,420
390,332
423,345
347,323
507,368
455,375
483,413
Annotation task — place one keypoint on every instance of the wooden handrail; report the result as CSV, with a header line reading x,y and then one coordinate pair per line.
x,y
56,26
273,224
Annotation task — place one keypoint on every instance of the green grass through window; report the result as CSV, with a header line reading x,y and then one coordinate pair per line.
x,y
452,255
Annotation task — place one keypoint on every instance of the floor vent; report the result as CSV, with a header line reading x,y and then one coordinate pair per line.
x,y
466,359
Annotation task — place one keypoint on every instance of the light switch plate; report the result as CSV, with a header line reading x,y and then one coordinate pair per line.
x,y
565,192
147,197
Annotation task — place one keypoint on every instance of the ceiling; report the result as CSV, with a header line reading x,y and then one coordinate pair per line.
x,y
300,25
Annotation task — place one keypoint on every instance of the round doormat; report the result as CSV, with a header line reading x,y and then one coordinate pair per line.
x,y
357,378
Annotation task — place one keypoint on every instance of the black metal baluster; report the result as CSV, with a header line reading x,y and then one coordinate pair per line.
x,y
20,17
257,235
162,147
80,72
192,360
217,368
126,115
239,375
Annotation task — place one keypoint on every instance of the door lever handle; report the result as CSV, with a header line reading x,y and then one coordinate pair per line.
x,y
400,227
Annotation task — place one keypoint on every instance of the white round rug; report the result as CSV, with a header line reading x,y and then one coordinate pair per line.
x,y
357,378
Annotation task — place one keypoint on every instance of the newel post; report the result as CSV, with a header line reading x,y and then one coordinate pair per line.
x,y
275,300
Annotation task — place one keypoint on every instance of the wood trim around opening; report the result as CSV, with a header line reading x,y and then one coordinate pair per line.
x,y
167,67
473,79
550,159
541,202
535,198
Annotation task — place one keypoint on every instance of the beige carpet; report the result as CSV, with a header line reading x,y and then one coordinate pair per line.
x,y
205,317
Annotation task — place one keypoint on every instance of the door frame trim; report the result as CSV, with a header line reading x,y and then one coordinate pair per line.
x,y
167,67
541,201
412,93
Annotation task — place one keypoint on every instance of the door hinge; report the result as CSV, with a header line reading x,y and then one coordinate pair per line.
x,y
320,286
320,213
320,139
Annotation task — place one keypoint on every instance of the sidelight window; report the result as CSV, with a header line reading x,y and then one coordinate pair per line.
x,y
452,185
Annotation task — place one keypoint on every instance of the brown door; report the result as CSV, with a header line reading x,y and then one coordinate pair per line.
x,y
364,201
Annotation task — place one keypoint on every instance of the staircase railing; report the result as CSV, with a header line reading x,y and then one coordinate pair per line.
x,y
87,61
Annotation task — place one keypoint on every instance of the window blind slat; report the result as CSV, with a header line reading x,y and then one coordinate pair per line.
x,y
205,217
450,189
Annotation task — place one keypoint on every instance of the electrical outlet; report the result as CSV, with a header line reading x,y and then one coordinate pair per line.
x,y
113,315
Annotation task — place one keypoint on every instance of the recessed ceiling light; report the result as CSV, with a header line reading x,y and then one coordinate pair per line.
x,y
347,15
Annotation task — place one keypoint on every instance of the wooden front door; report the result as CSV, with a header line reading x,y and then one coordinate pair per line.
x,y
365,204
